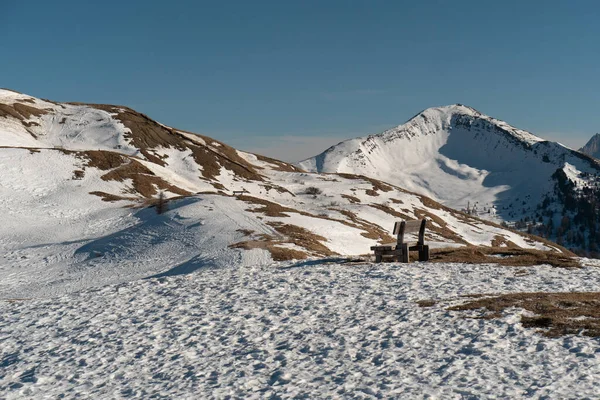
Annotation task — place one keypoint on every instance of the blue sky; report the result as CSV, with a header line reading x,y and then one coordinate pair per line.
x,y
289,78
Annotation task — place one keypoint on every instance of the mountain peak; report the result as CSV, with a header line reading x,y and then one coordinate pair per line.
x,y
592,147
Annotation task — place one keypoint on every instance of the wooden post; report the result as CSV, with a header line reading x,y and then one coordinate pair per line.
x,y
424,253
421,240
405,256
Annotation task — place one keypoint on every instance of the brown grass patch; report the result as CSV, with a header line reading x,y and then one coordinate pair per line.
x,y
441,228
501,241
277,253
426,303
121,167
30,101
148,134
268,208
111,197
278,188
27,111
377,185
515,257
391,211
371,192
279,165
351,199
556,313
303,238
372,231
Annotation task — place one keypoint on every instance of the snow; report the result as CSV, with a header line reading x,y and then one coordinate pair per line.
x,y
57,238
110,300
458,156
304,330
68,126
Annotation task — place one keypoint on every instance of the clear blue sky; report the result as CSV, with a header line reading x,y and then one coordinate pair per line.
x,y
291,77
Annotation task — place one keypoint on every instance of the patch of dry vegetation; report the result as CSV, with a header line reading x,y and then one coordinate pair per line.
x,y
273,246
556,314
303,237
351,199
371,231
22,112
440,227
146,134
278,165
268,208
111,197
121,167
426,303
513,257
390,211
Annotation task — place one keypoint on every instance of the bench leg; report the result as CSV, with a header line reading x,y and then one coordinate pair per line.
x,y
424,253
378,258
404,257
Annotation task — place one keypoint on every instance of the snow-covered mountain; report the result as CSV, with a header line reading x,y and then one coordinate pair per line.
x,y
468,161
77,181
592,147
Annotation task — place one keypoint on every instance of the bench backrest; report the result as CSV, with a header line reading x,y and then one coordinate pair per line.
x,y
402,227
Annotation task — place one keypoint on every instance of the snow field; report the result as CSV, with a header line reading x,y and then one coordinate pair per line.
x,y
295,331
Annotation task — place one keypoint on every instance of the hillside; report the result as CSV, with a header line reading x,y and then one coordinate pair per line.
x,y
78,179
472,162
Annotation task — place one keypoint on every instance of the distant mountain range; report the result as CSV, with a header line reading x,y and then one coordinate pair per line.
x,y
469,161
77,181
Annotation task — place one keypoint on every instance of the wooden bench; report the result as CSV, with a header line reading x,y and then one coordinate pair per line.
x,y
400,249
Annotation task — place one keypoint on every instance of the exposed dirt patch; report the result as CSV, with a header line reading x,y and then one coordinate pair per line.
x,y
371,192
556,314
516,257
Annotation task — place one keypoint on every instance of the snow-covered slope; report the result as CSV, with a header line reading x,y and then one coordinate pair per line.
x,y
297,330
592,147
77,179
463,159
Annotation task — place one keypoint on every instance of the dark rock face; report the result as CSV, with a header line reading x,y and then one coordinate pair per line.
x,y
592,147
